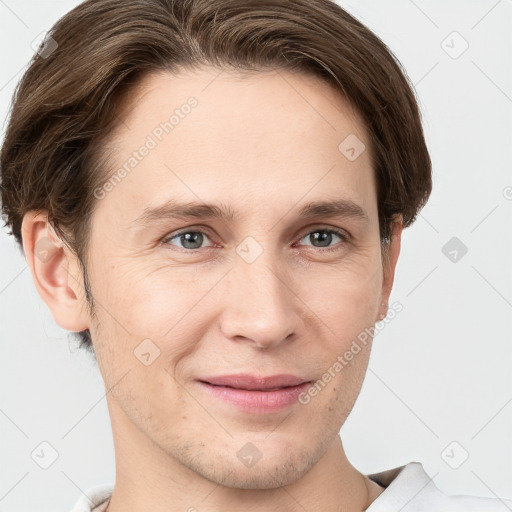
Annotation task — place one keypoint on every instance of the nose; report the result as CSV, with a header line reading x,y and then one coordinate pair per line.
x,y
259,306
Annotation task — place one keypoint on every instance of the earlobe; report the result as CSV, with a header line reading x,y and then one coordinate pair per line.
x,y
55,275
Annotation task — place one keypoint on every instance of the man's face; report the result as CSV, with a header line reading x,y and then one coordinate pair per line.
x,y
265,292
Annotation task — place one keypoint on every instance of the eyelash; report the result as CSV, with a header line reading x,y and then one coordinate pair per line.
x,y
344,237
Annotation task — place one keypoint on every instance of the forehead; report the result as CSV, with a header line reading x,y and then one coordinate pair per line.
x,y
239,93
210,134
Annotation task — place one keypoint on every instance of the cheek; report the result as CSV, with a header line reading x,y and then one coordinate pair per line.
x,y
330,399
146,300
149,316
347,309
346,299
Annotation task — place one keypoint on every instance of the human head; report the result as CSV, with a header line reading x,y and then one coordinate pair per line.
x,y
80,111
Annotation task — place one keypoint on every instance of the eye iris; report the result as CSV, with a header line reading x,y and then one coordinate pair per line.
x,y
193,237
322,236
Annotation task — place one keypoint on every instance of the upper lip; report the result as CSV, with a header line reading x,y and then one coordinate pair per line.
x,y
255,382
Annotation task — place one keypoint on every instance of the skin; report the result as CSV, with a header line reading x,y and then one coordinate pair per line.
x,y
265,144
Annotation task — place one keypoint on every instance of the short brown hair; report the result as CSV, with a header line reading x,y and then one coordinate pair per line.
x,y
63,108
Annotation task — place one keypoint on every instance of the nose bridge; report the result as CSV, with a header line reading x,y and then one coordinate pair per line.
x,y
259,304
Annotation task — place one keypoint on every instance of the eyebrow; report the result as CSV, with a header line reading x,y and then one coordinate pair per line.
x,y
172,209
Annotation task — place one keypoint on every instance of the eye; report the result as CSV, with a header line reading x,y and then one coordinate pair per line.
x,y
191,240
324,237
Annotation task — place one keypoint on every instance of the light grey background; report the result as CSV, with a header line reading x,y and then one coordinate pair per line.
x,y
439,382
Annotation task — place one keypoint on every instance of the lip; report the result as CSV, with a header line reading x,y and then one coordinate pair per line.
x,y
253,382
254,394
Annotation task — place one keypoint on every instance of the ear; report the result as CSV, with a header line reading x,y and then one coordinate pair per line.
x,y
389,264
55,271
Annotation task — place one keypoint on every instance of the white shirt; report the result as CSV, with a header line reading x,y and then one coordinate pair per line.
x,y
408,488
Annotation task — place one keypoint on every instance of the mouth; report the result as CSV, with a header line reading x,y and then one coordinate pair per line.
x,y
256,395
249,389
250,382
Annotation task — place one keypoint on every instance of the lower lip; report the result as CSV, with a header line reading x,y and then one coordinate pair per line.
x,y
257,401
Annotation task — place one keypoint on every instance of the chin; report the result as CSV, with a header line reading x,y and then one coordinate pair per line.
x,y
283,466
264,477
